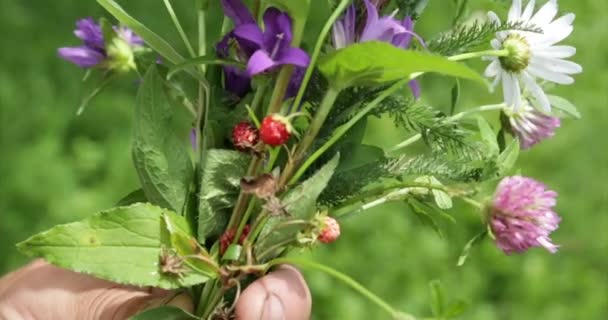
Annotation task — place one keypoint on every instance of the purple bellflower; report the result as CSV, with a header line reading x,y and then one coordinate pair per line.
x,y
95,51
263,51
521,215
399,33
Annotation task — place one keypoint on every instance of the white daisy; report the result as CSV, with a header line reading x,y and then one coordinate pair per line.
x,y
532,55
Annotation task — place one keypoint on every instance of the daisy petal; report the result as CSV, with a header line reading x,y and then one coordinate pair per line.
x,y
558,65
527,14
545,14
540,98
515,11
552,76
555,52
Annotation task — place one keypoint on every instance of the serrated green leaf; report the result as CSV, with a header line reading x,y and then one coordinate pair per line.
x,y
507,159
220,186
564,107
164,313
437,298
162,163
378,63
121,245
467,248
488,136
300,203
152,39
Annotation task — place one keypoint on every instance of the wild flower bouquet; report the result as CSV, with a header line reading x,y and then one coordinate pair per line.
x,y
275,96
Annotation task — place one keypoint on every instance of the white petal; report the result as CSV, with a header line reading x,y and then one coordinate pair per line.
x,y
540,98
528,11
495,43
546,74
495,82
515,11
558,30
545,14
511,90
493,69
493,17
558,65
555,52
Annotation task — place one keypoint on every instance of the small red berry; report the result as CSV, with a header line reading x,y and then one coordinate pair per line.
x,y
330,231
228,236
244,136
275,130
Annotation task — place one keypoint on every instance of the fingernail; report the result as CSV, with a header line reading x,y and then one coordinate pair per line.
x,y
273,308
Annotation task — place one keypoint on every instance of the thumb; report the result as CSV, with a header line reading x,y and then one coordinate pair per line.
x,y
281,295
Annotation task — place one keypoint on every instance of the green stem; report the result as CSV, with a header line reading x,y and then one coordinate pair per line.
x,y
278,94
413,139
179,28
241,203
342,277
259,97
472,202
202,33
478,54
347,126
317,50
328,102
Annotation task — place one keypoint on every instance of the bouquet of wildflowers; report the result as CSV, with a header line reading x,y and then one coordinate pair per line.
x,y
272,102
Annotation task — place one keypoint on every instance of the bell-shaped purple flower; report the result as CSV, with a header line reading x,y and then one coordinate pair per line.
x,y
276,49
531,126
522,216
399,33
94,50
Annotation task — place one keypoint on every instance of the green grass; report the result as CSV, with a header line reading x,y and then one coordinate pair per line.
x,y
57,167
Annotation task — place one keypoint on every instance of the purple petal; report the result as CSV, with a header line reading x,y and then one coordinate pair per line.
x,y
237,81
238,12
277,27
295,82
250,33
372,13
294,56
403,40
260,62
193,139
90,32
415,87
82,56
129,36
344,30
383,29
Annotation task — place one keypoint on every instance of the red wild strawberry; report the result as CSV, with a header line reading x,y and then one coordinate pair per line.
x,y
330,231
275,130
228,237
244,136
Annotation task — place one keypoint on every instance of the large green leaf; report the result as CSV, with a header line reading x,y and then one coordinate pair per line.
x,y
300,203
164,313
377,63
220,186
152,39
121,245
161,160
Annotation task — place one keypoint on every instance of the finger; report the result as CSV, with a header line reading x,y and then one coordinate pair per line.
x,y
281,295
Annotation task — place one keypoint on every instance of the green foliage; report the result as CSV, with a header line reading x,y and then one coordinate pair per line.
x,y
413,8
219,189
123,244
165,313
162,162
300,203
563,108
379,63
465,37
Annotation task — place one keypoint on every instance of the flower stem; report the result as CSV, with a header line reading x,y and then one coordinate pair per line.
x,y
478,54
317,122
179,28
317,50
342,277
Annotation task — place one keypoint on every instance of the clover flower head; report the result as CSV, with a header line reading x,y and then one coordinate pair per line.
x,y
529,125
521,215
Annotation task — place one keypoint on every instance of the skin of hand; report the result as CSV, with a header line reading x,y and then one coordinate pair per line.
x,y
40,291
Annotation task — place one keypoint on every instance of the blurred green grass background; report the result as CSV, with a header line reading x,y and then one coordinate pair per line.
x,y
56,167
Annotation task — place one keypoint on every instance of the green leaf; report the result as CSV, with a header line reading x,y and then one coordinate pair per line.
x,y
467,248
220,186
488,136
161,160
132,198
564,107
121,245
164,313
424,216
507,159
456,309
437,298
86,99
455,97
300,203
377,63
152,39
204,60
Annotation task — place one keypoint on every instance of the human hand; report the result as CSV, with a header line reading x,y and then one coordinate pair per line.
x,y
43,291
